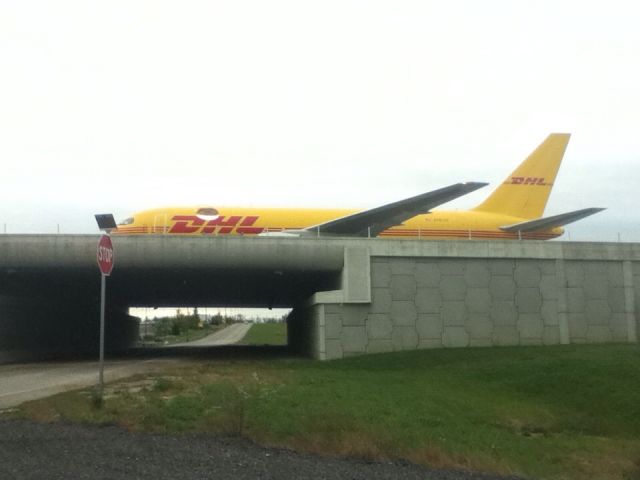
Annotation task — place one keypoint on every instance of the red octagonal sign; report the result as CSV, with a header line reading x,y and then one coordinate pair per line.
x,y
105,255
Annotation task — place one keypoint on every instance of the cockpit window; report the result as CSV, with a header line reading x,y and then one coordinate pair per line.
x,y
126,221
207,213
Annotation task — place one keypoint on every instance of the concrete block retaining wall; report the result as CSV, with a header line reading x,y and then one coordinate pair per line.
x,y
419,302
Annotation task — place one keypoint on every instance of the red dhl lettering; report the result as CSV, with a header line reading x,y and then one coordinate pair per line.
x,y
226,224
246,226
186,224
527,181
220,225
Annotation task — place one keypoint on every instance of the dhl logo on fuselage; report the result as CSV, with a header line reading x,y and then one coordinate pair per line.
x,y
218,225
527,181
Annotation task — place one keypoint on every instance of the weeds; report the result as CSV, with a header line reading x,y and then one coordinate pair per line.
x,y
97,399
163,384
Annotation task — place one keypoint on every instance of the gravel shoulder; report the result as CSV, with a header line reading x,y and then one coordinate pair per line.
x,y
61,451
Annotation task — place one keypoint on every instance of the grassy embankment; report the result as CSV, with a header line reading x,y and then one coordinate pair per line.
x,y
274,333
564,412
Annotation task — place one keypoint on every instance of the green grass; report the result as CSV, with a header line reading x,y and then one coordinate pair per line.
x,y
566,412
266,334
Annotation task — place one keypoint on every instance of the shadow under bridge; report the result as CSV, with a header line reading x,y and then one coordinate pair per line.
x,y
50,284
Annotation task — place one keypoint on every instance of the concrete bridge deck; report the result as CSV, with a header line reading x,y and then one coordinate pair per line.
x,y
350,296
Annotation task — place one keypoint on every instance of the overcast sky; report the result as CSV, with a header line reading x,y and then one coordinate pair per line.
x,y
120,106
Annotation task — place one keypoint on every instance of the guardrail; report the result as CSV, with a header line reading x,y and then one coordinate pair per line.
x,y
7,228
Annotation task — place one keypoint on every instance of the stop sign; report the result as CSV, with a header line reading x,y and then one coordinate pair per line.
x,y
105,255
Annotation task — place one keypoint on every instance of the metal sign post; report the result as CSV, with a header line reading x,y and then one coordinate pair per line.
x,y
103,289
105,262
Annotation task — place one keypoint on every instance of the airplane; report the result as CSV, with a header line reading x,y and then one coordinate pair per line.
x,y
512,211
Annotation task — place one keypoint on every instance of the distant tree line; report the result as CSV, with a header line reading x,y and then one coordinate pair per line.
x,y
180,323
164,326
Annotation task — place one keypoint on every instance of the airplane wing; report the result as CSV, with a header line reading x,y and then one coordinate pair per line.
x,y
373,221
551,222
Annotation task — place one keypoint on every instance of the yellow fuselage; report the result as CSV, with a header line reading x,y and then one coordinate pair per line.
x,y
251,221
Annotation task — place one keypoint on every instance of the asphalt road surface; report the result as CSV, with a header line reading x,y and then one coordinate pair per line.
x,y
21,383
24,382
227,336
61,451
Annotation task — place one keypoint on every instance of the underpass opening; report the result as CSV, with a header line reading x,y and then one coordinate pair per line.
x,y
206,332
267,297
208,327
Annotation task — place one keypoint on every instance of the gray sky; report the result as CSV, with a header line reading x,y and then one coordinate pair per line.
x,y
124,105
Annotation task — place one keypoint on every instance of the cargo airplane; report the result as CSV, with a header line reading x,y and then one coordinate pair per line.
x,y
513,211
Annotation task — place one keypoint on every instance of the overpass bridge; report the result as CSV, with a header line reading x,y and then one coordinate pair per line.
x,y
349,296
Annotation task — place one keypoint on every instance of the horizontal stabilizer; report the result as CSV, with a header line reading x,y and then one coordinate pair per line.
x,y
551,222
375,220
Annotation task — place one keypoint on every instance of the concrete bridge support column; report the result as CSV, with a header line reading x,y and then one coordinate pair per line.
x,y
304,331
630,302
334,320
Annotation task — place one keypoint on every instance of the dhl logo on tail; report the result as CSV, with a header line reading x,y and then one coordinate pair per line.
x,y
526,181
512,211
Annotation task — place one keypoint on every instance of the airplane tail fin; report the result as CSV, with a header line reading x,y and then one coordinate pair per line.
x,y
525,192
